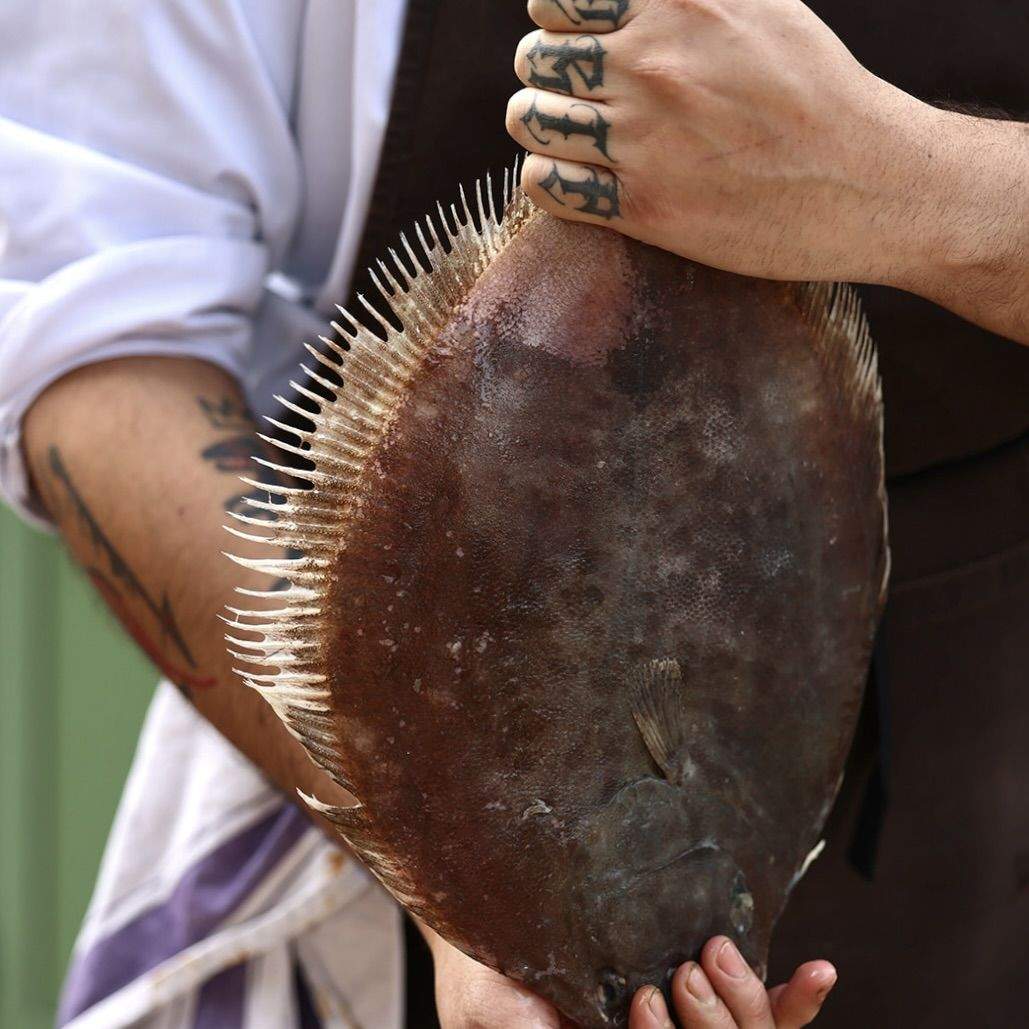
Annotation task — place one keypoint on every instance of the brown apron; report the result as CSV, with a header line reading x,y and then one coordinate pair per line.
x,y
939,936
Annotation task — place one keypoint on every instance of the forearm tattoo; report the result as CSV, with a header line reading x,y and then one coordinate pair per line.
x,y
235,454
138,611
226,413
578,11
597,193
595,125
552,65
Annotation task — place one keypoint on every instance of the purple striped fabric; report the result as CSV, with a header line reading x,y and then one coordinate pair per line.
x,y
204,897
221,1000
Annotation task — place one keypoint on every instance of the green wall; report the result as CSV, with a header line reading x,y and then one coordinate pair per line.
x,y
73,692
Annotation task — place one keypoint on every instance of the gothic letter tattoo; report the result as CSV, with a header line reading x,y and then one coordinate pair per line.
x,y
235,456
593,10
226,413
551,64
599,195
595,127
118,584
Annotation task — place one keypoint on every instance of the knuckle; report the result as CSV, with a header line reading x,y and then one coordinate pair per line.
x,y
703,8
659,69
539,11
521,59
635,204
753,1000
513,115
534,168
634,130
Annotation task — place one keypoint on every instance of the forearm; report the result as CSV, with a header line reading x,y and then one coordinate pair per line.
x,y
137,460
954,226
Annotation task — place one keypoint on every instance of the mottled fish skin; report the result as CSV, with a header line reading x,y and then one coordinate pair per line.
x,y
589,620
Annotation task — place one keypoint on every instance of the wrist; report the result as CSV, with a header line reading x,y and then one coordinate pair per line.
x,y
433,940
951,208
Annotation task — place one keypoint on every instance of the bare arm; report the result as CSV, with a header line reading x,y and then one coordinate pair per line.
x,y
967,244
137,460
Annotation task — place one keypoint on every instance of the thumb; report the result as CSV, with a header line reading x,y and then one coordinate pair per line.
x,y
798,1002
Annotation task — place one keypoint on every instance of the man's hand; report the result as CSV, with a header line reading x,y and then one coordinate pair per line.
x,y
744,135
721,992
472,996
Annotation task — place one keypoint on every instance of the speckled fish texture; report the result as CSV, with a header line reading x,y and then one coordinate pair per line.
x,y
592,563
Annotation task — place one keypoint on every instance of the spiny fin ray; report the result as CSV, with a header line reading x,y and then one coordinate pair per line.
x,y
378,365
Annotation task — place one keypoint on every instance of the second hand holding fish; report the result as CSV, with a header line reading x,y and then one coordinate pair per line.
x,y
721,992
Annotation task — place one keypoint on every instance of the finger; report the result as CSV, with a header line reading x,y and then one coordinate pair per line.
x,y
557,126
696,1002
798,1002
575,192
583,15
735,982
649,1010
578,65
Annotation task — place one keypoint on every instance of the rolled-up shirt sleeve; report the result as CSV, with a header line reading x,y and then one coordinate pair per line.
x,y
148,182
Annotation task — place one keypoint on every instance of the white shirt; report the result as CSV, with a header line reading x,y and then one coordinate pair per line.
x,y
158,160
191,177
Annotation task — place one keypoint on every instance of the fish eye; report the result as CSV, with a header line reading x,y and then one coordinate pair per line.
x,y
610,987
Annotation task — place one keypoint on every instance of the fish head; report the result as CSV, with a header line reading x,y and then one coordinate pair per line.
x,y
651,860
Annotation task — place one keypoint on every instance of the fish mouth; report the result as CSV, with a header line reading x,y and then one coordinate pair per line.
x,y
611,991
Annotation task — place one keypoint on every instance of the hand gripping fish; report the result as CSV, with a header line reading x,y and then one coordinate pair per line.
x,y
592,558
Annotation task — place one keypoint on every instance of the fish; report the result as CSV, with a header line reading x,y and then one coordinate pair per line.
x,y
582,583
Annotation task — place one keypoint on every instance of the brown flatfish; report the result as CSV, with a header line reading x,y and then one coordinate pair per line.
x,y
592,558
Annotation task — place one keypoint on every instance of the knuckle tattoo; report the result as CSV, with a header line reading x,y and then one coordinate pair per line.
x,y
559,66
579,12
595,193
592,124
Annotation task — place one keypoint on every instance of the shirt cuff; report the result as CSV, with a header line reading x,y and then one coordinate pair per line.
x,y
174,297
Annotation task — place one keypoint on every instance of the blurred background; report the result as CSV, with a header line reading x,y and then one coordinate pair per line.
x,y
73,692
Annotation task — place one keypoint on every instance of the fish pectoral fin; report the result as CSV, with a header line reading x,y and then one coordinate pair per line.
x,y
659,709
350,819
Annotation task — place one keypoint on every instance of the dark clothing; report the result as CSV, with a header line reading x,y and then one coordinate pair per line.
x,y
940,936
951,389
419,981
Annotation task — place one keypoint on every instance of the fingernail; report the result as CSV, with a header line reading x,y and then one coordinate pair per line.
x,y
658,1008
697,984
730,962
830,982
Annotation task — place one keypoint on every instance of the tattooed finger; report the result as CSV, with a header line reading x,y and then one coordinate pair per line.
x,y
580,192
583,15
573,65
554,126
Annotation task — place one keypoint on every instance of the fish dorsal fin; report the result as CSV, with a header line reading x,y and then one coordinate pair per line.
x,y
280,643
658,699
843,345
